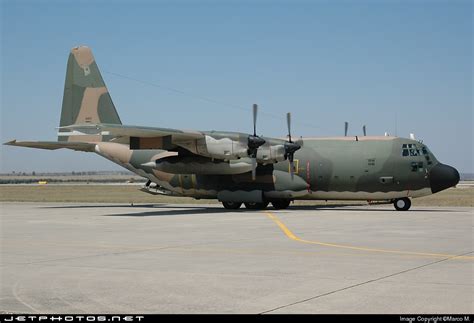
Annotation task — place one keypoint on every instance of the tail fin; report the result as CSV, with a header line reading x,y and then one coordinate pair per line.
x,y
86,99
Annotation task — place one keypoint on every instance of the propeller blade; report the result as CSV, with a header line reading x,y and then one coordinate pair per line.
x,y
290,149
255,111
346,127
290,146
364,130
288,122
253,142
254,168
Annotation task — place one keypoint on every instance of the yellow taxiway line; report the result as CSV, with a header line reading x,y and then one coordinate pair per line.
x,y
292,236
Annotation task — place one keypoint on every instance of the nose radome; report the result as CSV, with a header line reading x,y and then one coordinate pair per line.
x,y
442,177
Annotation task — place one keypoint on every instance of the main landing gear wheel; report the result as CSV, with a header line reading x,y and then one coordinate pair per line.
x,y
256,206
402,204
232,205
281,204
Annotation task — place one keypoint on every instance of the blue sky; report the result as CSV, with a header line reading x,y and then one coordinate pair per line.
x,y
396,66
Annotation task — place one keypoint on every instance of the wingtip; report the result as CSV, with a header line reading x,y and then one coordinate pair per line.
x,y
10,143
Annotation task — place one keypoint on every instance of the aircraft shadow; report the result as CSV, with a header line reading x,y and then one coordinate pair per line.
x,y
359,207
180,211
93,206
160,209
163,209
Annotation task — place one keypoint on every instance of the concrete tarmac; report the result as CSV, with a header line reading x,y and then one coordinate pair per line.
x,y
115,258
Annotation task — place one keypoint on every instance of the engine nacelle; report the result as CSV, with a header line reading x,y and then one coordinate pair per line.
x,y
269,154
225,148
232,149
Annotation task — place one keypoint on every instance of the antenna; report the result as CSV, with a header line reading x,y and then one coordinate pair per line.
x,y
396,122
255,111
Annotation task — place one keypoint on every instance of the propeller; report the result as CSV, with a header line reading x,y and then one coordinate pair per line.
x,y
290,146
364,130
253,142
346,127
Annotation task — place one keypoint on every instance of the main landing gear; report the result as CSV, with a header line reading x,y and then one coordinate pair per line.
x,y
281,204
232,205
277,204
402,204
256,206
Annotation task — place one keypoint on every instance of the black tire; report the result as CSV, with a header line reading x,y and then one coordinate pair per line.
x,y
281,204
256,206
402,204
232,205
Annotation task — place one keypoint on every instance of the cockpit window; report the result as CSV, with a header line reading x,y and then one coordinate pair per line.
x,y
427,155
410,150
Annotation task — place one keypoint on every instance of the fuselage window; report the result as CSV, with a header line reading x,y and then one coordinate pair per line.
x,y
416,166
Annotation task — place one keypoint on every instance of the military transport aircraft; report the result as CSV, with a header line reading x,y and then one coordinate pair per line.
x,y
238,168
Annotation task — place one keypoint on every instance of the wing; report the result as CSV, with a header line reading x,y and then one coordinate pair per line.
x,y
220,145
52,145
216,145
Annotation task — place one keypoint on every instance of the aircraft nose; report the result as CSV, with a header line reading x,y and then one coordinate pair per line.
x,y
442,177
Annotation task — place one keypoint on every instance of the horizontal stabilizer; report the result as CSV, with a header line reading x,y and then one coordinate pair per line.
x,y
52,145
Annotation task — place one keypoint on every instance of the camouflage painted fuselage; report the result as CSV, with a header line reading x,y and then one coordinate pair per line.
x,y
368,168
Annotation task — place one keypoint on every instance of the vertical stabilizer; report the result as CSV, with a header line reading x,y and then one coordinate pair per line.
x,y
86,99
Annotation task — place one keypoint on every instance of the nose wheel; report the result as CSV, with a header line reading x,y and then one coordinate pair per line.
x,y
402,204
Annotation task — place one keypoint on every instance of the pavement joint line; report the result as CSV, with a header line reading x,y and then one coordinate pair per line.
x,y
18,298
294,237
363,283
125,252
